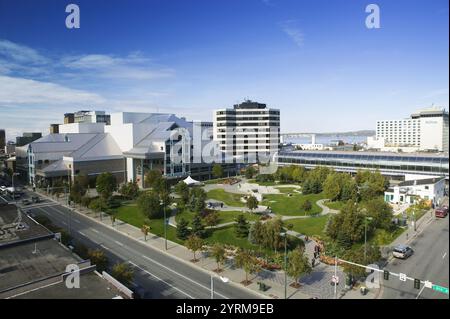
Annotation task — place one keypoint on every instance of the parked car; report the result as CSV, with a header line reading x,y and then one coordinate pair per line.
x,y
26,202
402,251
441,212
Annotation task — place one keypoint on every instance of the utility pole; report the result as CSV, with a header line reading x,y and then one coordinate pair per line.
x,y
285,265
335,276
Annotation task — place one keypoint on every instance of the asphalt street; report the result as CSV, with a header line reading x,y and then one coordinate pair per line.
x,y
429,262
157,274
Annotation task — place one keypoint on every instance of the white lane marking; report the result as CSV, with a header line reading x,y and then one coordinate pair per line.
x,y
181,275
64,222
82,234
444,255
118,243
150,259
103,246
77,221
170,285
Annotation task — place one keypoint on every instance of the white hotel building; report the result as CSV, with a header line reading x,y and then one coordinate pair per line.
x,y
247,131
425,130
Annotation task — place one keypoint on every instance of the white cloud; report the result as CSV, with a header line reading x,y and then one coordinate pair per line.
x,y
133,66
19,91
20,53
293,31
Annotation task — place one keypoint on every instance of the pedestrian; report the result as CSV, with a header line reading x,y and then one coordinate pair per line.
x,y
407,236
313,262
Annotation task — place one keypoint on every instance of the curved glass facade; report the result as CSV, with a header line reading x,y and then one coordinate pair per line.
x,y
389,164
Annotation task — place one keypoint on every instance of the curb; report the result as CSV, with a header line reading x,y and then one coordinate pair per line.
x,y
160,250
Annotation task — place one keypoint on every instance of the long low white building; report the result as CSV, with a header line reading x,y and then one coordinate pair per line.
x,y
411,191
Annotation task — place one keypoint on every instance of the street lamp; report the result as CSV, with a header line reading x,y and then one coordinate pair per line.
x,y
224,279
165,224
12,182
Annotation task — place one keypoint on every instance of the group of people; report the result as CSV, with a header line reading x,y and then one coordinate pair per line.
x,y
316,254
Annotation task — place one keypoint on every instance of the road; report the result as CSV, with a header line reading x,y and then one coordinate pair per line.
x,y
158,274
429,262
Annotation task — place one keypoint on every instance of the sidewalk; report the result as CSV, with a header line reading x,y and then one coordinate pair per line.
x,y
409,234
274,279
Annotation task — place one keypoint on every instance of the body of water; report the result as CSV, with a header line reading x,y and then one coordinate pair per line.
x,y
326,139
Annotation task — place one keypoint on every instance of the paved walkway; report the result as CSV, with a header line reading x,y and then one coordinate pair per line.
x,y
312,285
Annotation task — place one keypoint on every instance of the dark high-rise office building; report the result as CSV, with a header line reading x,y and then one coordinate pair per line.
x,y
2,140
27,138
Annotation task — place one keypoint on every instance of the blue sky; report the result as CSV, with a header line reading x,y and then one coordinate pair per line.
x,y
315,59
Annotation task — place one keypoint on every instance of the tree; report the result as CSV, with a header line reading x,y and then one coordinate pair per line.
x,y
249,263
130,190
197,199
332,187
113,219
182,190
252,203
183,231
212,219
307,206
123,273
106,185
198,229
145,230
217,171
357,256
149,205
194,243
241,228
272,234
298,265
79,188
347,227
381,213
250,172
99,259
98,205
218,252
153,178
257,233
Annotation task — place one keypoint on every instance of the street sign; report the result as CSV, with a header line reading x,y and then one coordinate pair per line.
x,y
444,290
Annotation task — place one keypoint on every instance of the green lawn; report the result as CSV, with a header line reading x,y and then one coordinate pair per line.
x,y
282,204
309,226
288,189
230,199
337,205
226,236
254,181
224,216
131,215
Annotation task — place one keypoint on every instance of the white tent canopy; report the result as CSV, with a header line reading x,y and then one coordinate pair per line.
x,y
190,181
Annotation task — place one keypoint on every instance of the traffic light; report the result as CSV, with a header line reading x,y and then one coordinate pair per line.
x,y
417,283
386,275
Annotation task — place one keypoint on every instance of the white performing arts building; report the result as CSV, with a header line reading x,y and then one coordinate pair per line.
x,y
131,145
